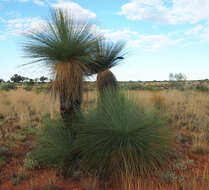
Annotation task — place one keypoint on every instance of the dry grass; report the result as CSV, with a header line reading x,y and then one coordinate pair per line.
x,y
199,145
26,107
186,109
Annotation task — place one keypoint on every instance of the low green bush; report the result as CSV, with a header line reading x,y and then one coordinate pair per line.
x,y
53,145
119,137
30,162
28,87
202,88
42,88
8,86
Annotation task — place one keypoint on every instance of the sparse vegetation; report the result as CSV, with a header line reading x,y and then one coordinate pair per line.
x,y
130,136
7,86
20,109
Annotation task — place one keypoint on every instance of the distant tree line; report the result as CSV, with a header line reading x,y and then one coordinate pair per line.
x,y
21,79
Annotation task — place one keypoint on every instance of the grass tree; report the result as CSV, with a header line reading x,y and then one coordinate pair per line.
x,y
120,137
65,46
108,55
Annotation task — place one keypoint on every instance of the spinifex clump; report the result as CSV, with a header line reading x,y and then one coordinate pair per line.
x,y
119,137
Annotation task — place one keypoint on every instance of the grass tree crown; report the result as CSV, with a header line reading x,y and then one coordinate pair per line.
x,y
108,54
62,39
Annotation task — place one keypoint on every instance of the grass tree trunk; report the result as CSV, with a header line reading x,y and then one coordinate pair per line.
x,y
68,85
106,80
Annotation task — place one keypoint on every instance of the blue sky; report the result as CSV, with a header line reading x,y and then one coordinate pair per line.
x,y
162,36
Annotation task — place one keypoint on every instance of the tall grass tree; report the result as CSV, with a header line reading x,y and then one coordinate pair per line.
x,y
108,54
65,46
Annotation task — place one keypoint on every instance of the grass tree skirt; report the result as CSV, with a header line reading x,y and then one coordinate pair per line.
x,y
106,80
68,85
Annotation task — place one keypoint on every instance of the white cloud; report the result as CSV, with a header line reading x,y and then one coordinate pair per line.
x,y
194,31
75,9
167,11
2,37
153,42
37,2
136,40
125,34
204,35
21,26
200,32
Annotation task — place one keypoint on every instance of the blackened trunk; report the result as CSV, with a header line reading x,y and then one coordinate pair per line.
x,y
69,109
68,85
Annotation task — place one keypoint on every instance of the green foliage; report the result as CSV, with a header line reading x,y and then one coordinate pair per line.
x,y
42,88
43,78
202,88
17,78
2,81
61,39
16,181
107,55
120,137
28,86
8,86
53,144
30,162
138,86
3,160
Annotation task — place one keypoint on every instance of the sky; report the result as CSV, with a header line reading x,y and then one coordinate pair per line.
x,y
162,36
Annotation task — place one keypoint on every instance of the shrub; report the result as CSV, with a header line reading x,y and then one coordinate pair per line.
x,y
53,144
42,88
29,162
202,88
135,87
28,87
119,137
8,86
3,160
